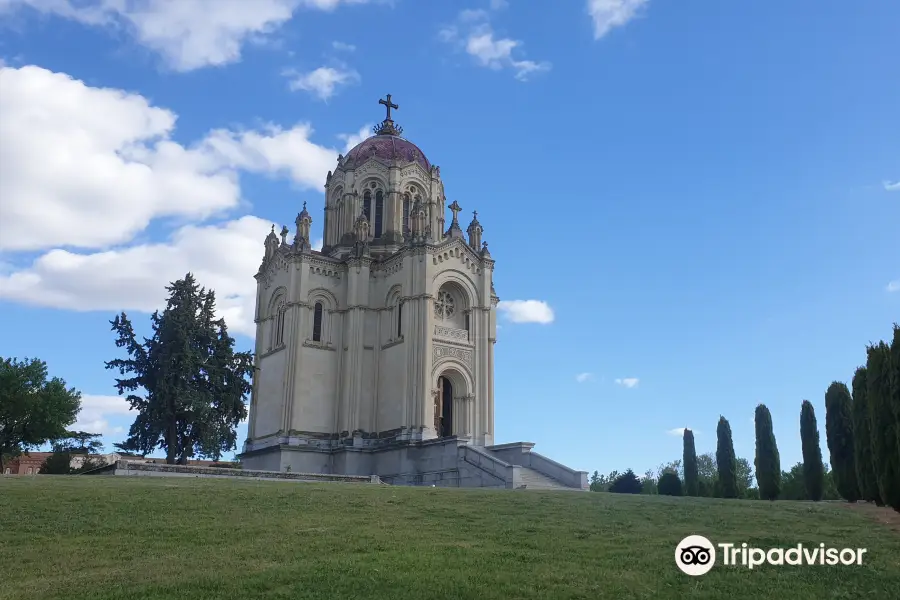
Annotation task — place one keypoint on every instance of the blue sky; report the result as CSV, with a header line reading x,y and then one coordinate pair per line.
x,y
701,198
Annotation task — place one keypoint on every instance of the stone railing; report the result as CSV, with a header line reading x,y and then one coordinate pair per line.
x,y
126,467
451,333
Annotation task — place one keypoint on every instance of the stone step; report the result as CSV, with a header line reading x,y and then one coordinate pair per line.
x,y
532,479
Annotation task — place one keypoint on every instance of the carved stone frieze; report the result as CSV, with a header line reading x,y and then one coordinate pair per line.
x,y
451,333
464,355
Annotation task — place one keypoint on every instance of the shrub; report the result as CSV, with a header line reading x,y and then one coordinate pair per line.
x,y
669,485
626,483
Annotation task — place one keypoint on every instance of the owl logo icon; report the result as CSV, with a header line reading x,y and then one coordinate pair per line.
x,y
695,555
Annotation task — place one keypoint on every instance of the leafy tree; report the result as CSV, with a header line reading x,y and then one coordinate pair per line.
x,y
792,485
744,475
886,458
830,491
80,442
691,478
726,461
669,484
601,483
813,469
71,444
648,483
194,383
862,440
839,434
626,483
768,461
33,410
58,463
707,475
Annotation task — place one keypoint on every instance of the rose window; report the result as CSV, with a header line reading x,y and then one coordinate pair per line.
x,y
444,305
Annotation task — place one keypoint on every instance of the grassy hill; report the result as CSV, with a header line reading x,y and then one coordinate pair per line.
x,y
87,538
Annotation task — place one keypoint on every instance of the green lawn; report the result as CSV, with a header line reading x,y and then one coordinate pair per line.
x,y
82,538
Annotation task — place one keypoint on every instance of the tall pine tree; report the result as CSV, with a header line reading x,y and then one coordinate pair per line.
x,y
862,439
885,458
768,462
839,434
186,381
691,478
813,468
726,460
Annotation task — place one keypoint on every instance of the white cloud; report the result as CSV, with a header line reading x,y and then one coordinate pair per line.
x,y
474,35
498,4
134,278
628,382
679,431
609,14
188,34
91,167
342,47
274,151
894,286
892,186
352,139
96,412
322,82
526,311
583,377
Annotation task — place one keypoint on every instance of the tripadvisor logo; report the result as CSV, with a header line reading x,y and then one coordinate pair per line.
x,y
696,555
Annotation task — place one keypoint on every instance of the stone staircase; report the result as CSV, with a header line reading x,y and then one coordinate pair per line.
x,y
530,479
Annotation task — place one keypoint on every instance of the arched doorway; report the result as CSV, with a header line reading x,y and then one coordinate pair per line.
x,y
443,408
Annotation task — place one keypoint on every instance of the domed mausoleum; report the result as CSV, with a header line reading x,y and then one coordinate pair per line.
x,y
375,355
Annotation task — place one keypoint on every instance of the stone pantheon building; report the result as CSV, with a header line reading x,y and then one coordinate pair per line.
x,y
375,355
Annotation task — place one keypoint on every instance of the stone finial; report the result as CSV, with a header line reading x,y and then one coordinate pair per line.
x,y
484,250
454,231
301,238
271,243
475,230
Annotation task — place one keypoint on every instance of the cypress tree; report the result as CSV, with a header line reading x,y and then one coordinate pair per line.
x,y
895,382
862,439
813,468
886,461
726,460
768,462
691,478
839,434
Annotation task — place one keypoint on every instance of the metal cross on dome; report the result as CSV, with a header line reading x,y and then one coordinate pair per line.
x,y
389,105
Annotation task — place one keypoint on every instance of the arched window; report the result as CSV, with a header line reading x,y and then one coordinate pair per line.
x,y
317,322
279,326
379,213
406,209
399,319
367,205
277,313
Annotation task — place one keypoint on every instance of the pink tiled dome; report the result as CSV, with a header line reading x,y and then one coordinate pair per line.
x,y
386,147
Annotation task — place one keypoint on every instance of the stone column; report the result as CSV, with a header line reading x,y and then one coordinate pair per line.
x,y
357,300
254,390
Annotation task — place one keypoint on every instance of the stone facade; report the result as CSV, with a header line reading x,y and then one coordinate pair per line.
x,y
384,339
